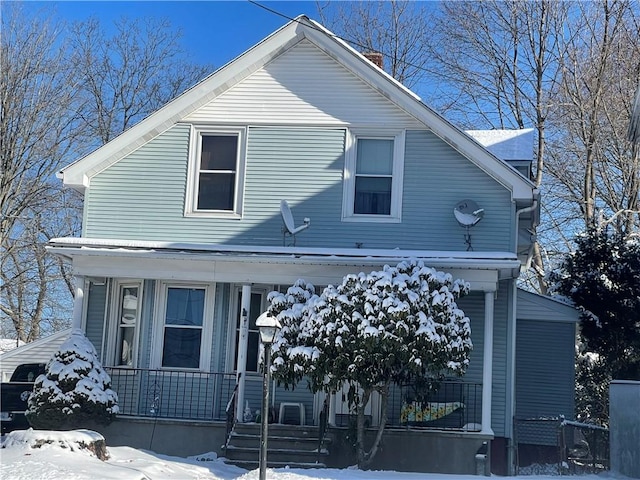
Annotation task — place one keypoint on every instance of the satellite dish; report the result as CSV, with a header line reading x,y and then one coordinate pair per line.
x,y
468,213
290,228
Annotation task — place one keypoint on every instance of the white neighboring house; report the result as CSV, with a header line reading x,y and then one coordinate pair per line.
x,y
39,351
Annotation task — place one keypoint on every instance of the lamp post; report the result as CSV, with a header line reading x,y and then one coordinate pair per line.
x,y
268,327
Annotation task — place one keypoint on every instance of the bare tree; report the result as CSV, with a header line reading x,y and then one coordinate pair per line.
x,y
37,122
124,77
37,132
600,70
60,97
396,29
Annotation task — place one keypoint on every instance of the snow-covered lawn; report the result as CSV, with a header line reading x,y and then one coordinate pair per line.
x,y
62,460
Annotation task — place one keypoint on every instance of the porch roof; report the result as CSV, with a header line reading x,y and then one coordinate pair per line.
x,y
267,264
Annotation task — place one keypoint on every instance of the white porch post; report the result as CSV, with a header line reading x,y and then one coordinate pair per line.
x,y
243,340
487,363
78,302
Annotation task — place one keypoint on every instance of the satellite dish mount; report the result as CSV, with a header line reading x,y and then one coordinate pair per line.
x,y
289,228
468,215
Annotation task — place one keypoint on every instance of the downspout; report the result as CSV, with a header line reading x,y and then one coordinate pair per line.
x,y
512,342
528,209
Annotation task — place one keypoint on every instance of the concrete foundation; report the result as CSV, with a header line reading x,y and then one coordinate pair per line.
x,y
401,449
407,450
178,438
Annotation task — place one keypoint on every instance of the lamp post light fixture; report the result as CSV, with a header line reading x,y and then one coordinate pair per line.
x,y
268,327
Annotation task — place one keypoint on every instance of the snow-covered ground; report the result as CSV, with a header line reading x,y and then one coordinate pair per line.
x,y
62,460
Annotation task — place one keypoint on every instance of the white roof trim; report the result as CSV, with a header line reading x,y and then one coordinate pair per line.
x,y
79,173
71,247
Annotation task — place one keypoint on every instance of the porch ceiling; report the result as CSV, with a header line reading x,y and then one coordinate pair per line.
x,y
267,264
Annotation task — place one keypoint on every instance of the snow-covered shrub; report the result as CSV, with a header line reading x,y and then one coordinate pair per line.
x,y
395,325
74,391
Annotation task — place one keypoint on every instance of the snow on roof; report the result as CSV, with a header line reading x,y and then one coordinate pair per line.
x,y
124,246
506,144
7,344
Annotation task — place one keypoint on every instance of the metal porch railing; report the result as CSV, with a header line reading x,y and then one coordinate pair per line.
x,y
175,394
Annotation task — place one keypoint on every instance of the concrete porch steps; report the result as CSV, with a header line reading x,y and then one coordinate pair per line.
x,y
288,445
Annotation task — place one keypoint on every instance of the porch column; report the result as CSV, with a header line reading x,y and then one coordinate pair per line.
x,y
243,341
78,302
487,363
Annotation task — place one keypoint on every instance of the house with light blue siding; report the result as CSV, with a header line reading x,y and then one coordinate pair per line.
x,y
184,236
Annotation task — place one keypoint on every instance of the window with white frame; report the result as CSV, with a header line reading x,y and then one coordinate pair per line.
x,y
184,334
216,172
373,177
127,321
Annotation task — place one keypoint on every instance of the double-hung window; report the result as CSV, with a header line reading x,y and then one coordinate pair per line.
x,y
373,178
216,172
183,337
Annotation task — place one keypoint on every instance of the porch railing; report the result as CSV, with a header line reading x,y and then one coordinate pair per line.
x,y
449,404
175,394
206,396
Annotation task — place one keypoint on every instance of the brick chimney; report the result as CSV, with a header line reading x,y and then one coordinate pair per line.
x,y
376,58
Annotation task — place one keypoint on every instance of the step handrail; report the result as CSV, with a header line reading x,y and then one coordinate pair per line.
x,y
230,411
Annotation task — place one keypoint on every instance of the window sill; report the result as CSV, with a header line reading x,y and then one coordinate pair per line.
x,y
372,219
225,215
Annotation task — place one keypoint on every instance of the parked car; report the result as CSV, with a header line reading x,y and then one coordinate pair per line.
x,y
14,395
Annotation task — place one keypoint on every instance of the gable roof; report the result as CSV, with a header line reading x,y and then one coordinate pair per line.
x,y
79,173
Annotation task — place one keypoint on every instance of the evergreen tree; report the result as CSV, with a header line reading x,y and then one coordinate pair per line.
x,y
602,278
395,325
74,391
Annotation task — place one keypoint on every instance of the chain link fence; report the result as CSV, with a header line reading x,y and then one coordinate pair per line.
x,y
554,445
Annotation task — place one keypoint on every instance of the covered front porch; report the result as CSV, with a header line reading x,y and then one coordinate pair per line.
x,y
149,390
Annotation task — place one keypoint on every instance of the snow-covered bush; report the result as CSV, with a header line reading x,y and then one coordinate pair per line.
x,y
395,325
74,391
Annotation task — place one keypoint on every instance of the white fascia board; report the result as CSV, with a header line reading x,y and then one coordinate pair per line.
x,y
253,269
521,188
231,263
78,174
296,252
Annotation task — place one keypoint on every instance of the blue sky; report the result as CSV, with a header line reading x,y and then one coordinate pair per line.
x,y
214,32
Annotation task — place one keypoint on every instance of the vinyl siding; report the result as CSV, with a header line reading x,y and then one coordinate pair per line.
x,y
95,315
305,166
303,86
473,306
220,328
545,379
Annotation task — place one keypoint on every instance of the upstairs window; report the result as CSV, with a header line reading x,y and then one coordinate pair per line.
x,y
373,178
216,172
